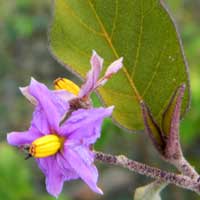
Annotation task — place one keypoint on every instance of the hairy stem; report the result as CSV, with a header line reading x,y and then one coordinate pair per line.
x,y
185,168
155,173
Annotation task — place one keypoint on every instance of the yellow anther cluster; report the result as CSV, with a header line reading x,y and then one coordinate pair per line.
x,y
45,146
65,84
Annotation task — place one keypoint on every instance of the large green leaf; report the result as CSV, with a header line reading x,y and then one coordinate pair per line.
x,y
139,30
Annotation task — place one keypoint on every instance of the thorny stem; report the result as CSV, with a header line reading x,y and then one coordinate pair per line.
x,y
156,173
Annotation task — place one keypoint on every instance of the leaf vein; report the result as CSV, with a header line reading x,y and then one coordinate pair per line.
x,y
118,93
139,44
156,69
70,42
115,19
86,26
137,95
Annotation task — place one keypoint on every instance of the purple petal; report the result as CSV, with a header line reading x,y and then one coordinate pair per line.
x,y
40,121
81,160
39,117
85,125
54,177
112,69
64,95
25,92
22,138
66,168
87,135
92,76
52,106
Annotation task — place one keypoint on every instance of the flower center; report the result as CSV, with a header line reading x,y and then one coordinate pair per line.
x,y
45,146
65,84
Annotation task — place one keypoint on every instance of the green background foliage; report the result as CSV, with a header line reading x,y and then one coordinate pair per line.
x,y
141,32
23,53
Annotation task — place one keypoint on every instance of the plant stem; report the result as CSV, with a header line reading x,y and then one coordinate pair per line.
x,y
155,173
185,168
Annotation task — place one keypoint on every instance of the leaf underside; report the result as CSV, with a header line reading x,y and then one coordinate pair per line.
x,y
142,32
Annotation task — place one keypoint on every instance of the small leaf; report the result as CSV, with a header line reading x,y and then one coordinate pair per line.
x,y
150,191
141,31
166,137
171,116
152,128
170,125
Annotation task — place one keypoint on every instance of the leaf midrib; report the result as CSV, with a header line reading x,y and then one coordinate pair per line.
x,y
108,39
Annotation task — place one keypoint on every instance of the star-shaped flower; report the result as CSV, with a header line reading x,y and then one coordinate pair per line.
x,y
92,81
64,151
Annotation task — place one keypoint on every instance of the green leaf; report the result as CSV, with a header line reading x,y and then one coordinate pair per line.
x,y
150,191
171,116
152,129
142,32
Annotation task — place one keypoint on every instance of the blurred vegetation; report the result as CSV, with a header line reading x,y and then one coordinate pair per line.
x,y
24,53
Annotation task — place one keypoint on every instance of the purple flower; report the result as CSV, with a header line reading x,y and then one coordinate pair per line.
x,y
92,81
69,155
64,152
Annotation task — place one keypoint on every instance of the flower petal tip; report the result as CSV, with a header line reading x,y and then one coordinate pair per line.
x,y
111,108
54,195
120,59
26,93
99,191
94,52
33,80
23,90
96,59
114,67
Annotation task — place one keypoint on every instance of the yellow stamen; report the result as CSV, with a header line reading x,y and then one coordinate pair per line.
x,y
65,84
45,146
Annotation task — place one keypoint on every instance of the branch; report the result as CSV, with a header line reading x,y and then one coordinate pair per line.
x,y
185,168
155,173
